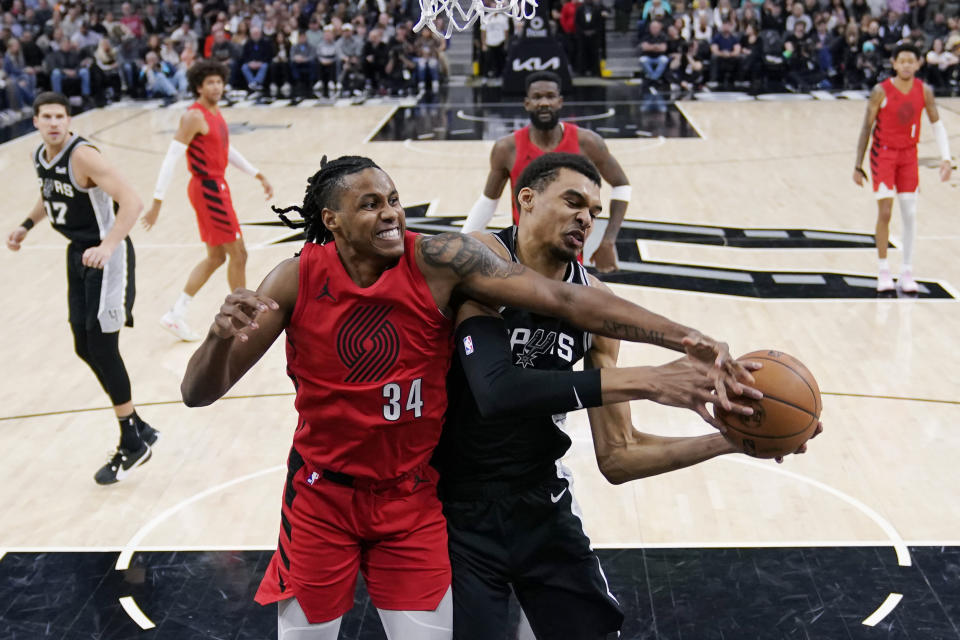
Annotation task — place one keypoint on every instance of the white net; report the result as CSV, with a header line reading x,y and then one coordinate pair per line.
x,y
459,15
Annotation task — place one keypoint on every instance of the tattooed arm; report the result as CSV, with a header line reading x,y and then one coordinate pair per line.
x,y
468,266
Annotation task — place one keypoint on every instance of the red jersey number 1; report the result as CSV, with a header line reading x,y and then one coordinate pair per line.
x,y
393,393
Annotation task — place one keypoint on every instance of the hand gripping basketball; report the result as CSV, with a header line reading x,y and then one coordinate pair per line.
x,y
726,373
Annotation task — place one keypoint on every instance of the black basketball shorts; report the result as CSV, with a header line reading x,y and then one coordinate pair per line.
x,y
533,542
101,298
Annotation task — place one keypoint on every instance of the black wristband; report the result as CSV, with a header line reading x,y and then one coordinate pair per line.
x,y
27,224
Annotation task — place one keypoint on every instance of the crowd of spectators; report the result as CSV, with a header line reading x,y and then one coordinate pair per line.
x,y
307,48
793,44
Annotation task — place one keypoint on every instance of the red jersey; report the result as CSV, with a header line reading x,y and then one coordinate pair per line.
x,y
527,152
207,152
898,121
369,366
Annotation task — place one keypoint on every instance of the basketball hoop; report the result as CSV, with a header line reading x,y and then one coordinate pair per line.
x,y
459,18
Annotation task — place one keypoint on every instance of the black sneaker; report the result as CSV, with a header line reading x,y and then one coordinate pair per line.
x,y
147,433
121,464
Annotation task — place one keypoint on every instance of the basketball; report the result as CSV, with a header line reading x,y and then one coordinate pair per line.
x,y
787,415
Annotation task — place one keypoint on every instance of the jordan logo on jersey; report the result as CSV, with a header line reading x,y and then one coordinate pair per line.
x,y
367,343
325,292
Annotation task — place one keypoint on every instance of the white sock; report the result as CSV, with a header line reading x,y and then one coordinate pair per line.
x,y
884,265
180,306
908,209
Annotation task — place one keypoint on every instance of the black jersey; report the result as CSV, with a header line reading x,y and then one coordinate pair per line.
x,y
473,449
84,216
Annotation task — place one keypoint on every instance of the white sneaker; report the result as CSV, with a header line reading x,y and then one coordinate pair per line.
x,y
907,283
885,281
178,327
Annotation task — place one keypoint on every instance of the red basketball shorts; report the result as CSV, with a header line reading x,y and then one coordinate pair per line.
x,y
893,170
216,218
396,537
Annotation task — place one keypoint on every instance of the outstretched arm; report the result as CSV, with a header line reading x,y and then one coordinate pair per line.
x,y
939,133
873,108
16,237
469,266
605,257
247,324
236,159
91,168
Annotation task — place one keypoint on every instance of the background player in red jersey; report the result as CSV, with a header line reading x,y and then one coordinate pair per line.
x,y
512,153
204,137
368,323
893,114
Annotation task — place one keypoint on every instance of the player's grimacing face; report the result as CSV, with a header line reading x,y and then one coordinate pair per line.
x,y
906,65
53,123
564,212
370,215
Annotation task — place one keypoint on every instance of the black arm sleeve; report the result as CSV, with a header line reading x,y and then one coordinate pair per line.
x,y
503,390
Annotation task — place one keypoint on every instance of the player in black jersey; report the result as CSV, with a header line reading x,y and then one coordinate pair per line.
x,y
512,520
89,202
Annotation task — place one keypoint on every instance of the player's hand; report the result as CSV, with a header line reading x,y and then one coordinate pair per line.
x,y
689,383
803,447
150,217
946,168
267,189
859,176
96,257
239,312
16,238
605,257
727,373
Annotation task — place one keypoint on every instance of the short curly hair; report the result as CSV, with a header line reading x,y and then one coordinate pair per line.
x,y
197,73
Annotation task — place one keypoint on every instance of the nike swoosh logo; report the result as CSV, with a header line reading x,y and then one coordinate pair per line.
x,y
556,498
579,403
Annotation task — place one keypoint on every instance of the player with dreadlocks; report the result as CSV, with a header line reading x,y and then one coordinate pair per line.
x,y
367,309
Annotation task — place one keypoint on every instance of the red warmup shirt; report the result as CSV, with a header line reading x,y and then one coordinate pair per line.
x,y
369,366
208,152
898,121
527,152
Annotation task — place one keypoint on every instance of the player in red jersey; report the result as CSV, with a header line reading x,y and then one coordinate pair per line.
x,y
512,153
366,307
204,137
893,114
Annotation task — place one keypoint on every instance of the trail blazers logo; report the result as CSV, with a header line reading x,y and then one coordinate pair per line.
x,y
368,344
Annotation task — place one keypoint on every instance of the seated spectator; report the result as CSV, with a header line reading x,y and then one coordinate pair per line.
x,y
131,20
771,17
797,14
224,52
279,78
754,63
655,10
653,54
327,53
400,67
725,55
687,70
941,65
170,16
802,70
84,39
822,42
427,60
255,60
724,12
303,65
376,53
349,52
184,33
846,56
156,77
702,29
105,71
19,75
66,64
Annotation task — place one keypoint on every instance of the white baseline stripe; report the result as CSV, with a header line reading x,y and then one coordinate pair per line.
x,y
884,609
123,562
380,124
130,606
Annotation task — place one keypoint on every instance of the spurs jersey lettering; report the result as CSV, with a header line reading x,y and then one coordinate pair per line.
x,y
527,152
83,215
473,449
207,153
898,121
369,366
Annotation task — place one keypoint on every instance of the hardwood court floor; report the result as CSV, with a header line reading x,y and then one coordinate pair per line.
x,y
884,471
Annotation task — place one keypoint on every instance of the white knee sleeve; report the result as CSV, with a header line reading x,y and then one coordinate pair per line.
x,y
420,625
292,624
908,209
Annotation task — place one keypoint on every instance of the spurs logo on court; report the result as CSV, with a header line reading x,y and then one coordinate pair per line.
x,y
541,342
367,343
